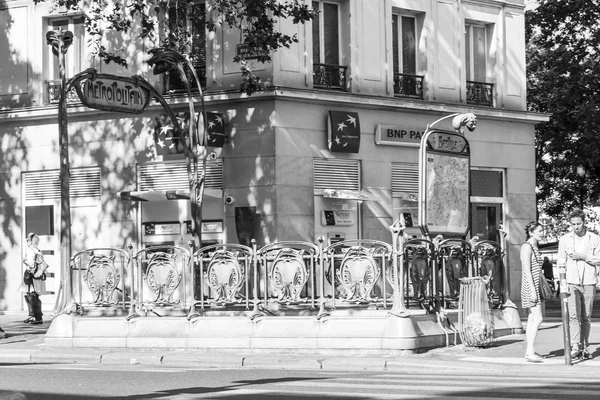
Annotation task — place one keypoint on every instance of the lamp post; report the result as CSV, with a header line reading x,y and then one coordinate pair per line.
x,y
60,42
581,172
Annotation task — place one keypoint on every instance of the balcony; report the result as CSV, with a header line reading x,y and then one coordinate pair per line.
x,y
408,86
53,93
329,76
480,93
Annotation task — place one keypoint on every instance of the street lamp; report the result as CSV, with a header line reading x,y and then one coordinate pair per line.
x,y
60,42
581,171
459,121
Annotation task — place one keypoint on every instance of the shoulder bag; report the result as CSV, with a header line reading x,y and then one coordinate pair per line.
x,y
546,292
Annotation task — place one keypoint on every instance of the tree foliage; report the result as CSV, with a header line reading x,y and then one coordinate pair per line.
x,y
563,65
256,19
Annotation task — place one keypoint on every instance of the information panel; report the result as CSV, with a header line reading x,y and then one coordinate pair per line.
x,y
447,195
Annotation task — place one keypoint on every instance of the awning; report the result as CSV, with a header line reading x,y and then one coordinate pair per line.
x,y
347,195
162,195
155,195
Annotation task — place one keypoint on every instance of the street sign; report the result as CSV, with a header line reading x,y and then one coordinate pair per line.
x,y
113,93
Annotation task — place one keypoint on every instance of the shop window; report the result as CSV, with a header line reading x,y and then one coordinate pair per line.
x,y
479,90
75,58
190,24
40,220
404,49
327,47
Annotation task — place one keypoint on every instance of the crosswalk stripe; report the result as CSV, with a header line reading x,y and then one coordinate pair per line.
x,y
532,376
520,360
441,389
473,380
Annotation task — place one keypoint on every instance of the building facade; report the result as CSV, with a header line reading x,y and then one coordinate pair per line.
x,y
388,68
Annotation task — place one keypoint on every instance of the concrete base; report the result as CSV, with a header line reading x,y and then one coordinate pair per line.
x,y
362,332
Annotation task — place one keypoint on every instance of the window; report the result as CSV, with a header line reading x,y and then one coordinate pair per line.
x,y
74,58
39,219
327,46
486,183
404,43
479,91
476,51
404,39
181,23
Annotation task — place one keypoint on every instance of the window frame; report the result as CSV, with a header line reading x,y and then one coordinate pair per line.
x,y
75,56
322,46
483,199
399,69
470,51
190,28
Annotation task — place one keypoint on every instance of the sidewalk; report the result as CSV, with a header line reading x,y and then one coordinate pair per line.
x,y
25,344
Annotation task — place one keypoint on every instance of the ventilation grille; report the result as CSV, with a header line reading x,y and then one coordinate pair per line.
x,y
405,178
45,185
336,174
173,176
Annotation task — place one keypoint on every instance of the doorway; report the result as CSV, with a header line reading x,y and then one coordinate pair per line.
x,y
486,219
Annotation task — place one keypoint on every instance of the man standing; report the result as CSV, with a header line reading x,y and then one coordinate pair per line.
x,y
579,253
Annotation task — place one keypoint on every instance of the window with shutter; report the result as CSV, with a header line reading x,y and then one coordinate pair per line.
x,y
45,185
173,176
405,180
336,174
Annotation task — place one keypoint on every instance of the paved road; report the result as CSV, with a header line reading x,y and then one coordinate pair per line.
x,y
69,382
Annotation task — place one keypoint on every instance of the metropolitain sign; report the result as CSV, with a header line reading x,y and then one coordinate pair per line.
x,y
113,93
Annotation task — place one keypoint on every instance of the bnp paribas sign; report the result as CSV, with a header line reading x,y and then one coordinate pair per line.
x,y
113,93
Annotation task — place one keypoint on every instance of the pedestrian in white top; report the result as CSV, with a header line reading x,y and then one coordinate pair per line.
x,y
579,253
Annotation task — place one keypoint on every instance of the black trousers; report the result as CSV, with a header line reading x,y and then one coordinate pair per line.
x,y
34,305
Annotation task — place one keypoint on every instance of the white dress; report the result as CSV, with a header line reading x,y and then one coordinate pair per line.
x,y
33,256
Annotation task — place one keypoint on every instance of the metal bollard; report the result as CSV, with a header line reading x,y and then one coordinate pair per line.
x,y
564,308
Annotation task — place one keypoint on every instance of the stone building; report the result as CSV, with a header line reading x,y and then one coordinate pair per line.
x,y
393,66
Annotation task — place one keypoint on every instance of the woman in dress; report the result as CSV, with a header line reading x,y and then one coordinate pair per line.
x,y
34,262
531,267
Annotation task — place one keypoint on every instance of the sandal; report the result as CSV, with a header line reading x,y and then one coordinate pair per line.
x,y
534,358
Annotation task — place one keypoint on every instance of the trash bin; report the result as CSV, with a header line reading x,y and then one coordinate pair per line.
x,y
475,322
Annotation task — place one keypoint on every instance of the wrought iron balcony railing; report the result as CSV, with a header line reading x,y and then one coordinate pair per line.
x,y
329,76
408,85
53,93
480,93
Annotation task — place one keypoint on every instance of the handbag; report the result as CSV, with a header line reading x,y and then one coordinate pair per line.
x,y
40,269
28,277
546,292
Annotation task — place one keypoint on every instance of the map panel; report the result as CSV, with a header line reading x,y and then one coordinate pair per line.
x,y
447,193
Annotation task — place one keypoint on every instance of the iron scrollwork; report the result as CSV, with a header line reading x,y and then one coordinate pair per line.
x,y
288,274
102,278
225,276
488,258
163,277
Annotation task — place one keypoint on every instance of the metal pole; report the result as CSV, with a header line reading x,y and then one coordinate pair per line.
x,y
60,42
564,308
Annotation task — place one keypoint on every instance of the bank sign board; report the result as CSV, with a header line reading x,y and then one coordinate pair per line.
x,y
398,135
113,93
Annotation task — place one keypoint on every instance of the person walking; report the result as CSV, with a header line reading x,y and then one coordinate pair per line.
x,y
579,253
35,264
531,273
